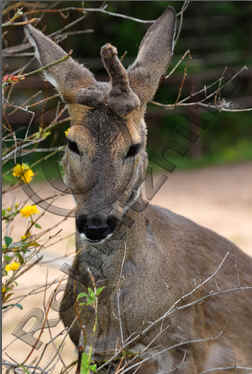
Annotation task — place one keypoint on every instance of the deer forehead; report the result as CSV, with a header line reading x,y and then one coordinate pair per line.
x,y
96,127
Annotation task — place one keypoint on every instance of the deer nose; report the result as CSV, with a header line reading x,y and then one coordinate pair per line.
x,y
96,228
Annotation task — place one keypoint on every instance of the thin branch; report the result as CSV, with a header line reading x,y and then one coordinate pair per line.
x,y
67,26
118,294
97,10
67,34
222,105
174,308
226,368
42,68
181,15
17,366
8,24
175,346
20,148
124,16
212,294
188,294
52,149
178,63
25,103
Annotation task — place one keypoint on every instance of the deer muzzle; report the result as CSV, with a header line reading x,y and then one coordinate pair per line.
x,y
96,228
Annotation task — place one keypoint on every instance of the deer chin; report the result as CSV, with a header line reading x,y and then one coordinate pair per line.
x,y
84,238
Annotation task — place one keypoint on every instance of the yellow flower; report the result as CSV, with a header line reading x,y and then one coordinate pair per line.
x,y
27,177
28,210
17,170
67,131
15,265
7,268
23,172
3,289
24,237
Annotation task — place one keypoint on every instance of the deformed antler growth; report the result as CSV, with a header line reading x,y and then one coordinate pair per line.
x,y
121,99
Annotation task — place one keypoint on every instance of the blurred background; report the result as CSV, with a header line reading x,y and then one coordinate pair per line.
x,y
218,36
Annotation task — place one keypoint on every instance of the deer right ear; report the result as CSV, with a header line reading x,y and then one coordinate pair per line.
x,y
67,76
154,55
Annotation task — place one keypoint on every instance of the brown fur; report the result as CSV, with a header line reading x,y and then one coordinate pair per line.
x,y
154,257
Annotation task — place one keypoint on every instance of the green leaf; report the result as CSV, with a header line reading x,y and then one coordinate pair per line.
x,y
91,292
82,294
25,369
99,291
11,305
7,240
93,368
86,364
20,257
38,226
89,302
7,258
19,306
3,212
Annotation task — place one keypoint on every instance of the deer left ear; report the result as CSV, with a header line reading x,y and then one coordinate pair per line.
x,y
67,76
154,55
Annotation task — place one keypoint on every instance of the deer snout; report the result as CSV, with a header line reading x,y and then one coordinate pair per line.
x,y
96,228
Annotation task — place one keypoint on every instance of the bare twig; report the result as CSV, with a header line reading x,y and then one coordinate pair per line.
x,y
118,295
187,53
22,23
42,68
235,368
172,347
36,369
102,10
175,307
181,15
222,105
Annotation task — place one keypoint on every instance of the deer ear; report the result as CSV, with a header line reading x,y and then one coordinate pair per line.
x,y
154,55
67,76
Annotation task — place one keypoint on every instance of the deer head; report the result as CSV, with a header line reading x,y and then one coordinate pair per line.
x,y
105,160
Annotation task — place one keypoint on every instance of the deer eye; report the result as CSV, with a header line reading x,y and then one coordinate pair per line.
x,y
73,146
133,150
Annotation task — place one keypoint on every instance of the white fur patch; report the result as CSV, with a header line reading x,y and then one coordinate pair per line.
x,y
84,238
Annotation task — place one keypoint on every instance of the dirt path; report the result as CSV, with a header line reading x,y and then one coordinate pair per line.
x,y
219,198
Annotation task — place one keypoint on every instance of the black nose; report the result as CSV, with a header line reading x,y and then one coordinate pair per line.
x,y
96,227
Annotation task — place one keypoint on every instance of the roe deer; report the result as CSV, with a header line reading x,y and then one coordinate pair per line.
x,y
175,292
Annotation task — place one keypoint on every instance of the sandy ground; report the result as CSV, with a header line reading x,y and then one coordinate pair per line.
x,y
219,198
